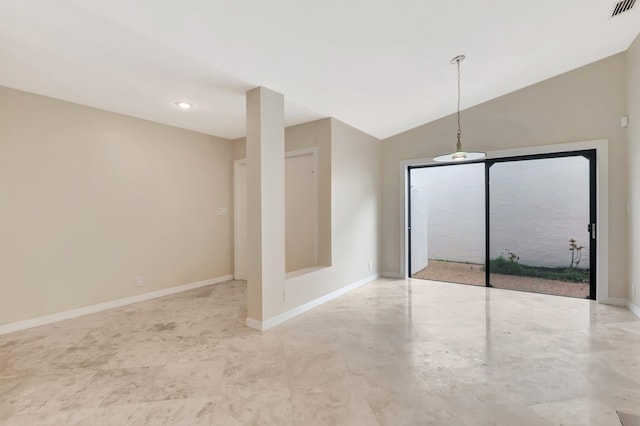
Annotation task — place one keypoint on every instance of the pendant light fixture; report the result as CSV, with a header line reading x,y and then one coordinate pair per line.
x,y
459,154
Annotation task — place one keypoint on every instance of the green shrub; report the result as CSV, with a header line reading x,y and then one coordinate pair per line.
x,y
501,265
507,267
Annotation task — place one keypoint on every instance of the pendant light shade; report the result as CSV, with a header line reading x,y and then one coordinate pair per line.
x,y
459,154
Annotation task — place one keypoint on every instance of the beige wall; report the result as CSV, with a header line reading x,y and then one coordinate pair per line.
x,y
357,201
90,199
633,102
584,104
355,216
239,148
315,134
350,207
300,211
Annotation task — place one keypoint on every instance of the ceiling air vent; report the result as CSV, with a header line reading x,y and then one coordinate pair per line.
x,y
622,6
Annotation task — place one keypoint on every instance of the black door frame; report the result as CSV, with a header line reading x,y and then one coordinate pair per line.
x,y
408,197
589,154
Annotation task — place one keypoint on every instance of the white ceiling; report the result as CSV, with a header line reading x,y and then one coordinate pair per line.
x,y
379,65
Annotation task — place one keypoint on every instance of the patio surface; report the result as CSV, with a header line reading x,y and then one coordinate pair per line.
x,y
471,273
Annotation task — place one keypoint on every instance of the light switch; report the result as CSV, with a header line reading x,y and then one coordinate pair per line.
x,y
222,211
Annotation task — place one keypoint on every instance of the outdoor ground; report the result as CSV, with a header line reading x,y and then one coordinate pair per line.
x,y
469,273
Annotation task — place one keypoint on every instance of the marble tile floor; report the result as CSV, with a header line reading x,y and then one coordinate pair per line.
x,y
393,352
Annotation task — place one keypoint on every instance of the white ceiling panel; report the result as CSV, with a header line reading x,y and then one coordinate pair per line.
x,y
380,66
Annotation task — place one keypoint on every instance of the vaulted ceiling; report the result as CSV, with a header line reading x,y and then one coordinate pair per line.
x,y
380,66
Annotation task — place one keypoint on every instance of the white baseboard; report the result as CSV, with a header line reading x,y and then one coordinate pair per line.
x,y
255,324
74,313
634,308
279,319
614,301
396,275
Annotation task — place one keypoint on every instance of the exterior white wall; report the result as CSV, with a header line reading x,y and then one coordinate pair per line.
x,y
537,206
420,223
455,208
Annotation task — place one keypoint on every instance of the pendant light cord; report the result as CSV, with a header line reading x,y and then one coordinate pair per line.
x,y
459,155
459,145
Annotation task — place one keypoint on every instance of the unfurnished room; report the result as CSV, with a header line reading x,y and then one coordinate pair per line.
x,y
319,213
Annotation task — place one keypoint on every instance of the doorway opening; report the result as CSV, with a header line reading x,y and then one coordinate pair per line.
x,y
447,223
521,223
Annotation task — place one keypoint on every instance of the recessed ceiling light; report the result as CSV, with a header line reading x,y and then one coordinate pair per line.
x,y
184,105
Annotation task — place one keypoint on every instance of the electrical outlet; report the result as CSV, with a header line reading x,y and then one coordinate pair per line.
x,y
284,295
370,265
139,281
222,211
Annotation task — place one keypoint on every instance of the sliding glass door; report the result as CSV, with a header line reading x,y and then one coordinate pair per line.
x,y
540,212
521,223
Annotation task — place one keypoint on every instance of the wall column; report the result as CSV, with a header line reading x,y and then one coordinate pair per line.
x,y
265,204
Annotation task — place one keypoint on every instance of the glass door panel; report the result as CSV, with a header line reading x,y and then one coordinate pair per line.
x,y
447,223
539,215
